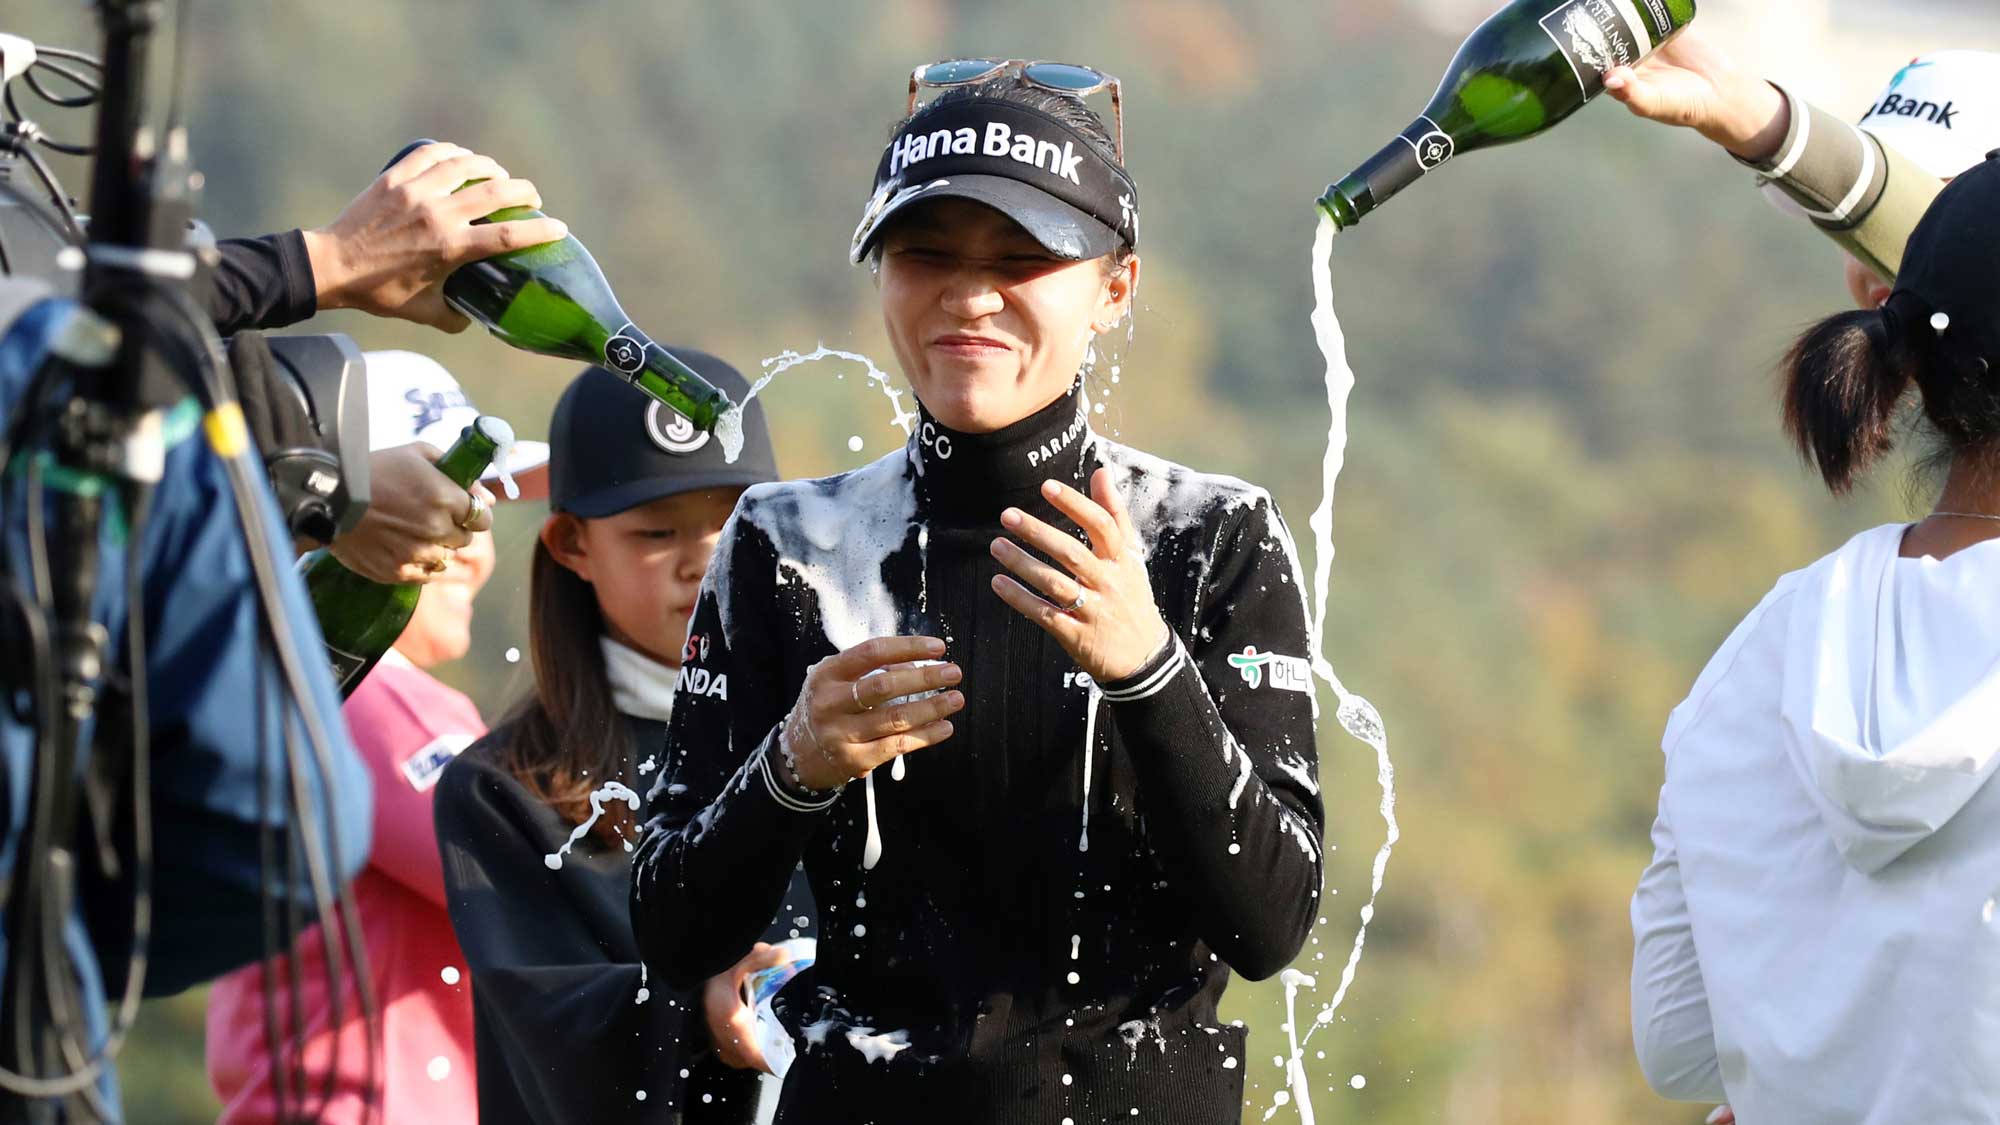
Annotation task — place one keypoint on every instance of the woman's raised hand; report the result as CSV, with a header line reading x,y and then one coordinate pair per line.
x,y
1097,602
844,725
1692,83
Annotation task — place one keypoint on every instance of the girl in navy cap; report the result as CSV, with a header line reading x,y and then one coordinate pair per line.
x,y
569,1025
1817,938
1032,707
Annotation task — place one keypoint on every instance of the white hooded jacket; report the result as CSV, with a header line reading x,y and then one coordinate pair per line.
x,y
1817,937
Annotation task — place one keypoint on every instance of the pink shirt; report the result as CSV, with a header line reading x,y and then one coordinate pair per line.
x,y
407,726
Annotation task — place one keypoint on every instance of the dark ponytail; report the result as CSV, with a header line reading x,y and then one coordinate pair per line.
x,y
566,737
1845,378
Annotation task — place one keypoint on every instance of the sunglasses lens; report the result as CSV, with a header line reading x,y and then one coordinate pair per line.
x,y
958,71
1063,76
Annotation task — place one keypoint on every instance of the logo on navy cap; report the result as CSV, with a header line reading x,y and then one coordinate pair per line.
x,y
672,431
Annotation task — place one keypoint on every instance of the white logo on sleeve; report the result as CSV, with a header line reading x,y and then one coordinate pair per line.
x,y
423,768
1287,673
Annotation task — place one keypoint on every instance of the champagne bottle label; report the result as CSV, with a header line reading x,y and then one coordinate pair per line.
x,y
624,352
1433,145
347,668
1596,35
1663,20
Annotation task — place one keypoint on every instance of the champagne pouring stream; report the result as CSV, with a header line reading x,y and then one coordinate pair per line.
x,y
1521,72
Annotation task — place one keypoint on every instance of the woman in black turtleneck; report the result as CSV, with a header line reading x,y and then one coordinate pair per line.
x,y
1032,707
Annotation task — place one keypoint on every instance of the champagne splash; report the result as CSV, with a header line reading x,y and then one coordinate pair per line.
x,y
1355,714
503,452
1295,1066
729,426
613,791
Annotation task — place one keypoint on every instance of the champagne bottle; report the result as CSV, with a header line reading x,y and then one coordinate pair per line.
x,y
361,618
1529,66
552,299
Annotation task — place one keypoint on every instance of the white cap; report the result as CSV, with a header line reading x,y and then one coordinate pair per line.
x,y
1942,111
411,397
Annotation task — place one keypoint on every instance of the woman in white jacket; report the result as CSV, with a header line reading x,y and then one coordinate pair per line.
x,y
1817,937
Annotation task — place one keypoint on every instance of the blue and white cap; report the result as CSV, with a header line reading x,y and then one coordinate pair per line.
x,y
411,397
1942,111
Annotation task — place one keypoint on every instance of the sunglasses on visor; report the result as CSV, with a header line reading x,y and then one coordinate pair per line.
x,y
1063,78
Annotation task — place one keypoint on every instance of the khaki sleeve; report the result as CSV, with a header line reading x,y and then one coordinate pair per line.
x,y
1862,193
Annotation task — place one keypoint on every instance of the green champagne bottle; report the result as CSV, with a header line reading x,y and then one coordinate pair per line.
x,y
361,618
552,299
1531,64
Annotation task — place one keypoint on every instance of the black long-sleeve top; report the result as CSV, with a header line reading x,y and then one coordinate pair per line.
x,y
264,282
561,1032
1037,976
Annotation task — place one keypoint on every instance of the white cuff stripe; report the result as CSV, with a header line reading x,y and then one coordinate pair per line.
x,y
1802,115
1861,185
1152,684
779,794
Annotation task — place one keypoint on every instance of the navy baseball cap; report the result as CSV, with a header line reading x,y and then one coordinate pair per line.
x,y
1018,160
612,447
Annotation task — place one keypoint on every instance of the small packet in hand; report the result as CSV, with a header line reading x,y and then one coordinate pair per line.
x,y
758,990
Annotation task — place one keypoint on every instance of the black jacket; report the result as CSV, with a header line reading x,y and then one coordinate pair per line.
x,y
264,282
560,1031
1035,980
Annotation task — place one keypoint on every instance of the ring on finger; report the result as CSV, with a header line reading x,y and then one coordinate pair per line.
x,y
473,513
854,689
436,566
1072,607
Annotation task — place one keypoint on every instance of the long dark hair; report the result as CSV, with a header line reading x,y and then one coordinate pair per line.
x,y
566,737
1847,376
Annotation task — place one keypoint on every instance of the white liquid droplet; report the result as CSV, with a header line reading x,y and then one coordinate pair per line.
x,y
854,443
1236,849
439,1069
860,930
641,1095
871,850
1075,944
1067,1080
1229,1063
612,791
707,1098
449,974
1357,1082
1074,979
513,656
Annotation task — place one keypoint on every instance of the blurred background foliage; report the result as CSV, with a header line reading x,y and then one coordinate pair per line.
x,y
1565,483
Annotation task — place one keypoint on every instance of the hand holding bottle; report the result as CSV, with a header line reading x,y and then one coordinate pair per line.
x,y
1692,83
391,248
414,519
